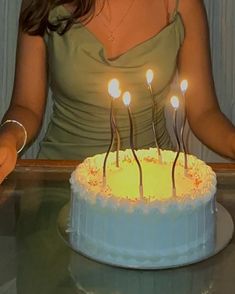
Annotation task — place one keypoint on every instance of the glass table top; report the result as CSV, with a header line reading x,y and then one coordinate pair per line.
x,y
35,259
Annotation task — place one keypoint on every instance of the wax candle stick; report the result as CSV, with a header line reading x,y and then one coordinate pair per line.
x,y
149,79
184,87
114,92
127,100
118,140
111,143
175,104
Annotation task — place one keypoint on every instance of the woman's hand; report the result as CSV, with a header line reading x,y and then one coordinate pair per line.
x,y
8,157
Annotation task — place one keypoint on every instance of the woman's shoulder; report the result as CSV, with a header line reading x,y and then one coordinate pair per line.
x,y
188,8
193,14
184,6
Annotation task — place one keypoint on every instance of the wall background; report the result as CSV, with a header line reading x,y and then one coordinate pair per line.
x,y
221,16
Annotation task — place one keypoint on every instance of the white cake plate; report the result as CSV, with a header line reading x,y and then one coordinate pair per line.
x,y
224,233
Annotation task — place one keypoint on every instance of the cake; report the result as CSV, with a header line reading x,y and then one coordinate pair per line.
x,y
112,224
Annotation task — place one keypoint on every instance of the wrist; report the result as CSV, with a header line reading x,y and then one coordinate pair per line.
x,y
8,140
14,134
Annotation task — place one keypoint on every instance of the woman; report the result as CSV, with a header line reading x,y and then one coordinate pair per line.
x,y
86,44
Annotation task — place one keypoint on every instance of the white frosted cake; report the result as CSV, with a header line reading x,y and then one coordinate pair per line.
x,y
112,224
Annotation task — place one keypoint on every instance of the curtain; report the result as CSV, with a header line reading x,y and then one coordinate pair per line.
x,y
9,11
222,30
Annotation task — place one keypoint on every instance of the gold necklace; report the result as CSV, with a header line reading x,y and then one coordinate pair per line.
x,y
107,20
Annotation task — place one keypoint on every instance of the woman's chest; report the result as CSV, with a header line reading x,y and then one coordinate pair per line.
x,y
121,25
80,61
79,65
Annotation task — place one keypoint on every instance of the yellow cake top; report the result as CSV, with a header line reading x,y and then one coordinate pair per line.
x,y
123,182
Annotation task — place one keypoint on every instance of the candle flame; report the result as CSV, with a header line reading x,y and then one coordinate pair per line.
x,y
114,88
149,76
184,86
126,98
175,102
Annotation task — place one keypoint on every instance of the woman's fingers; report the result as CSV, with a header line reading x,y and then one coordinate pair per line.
x,y
8,157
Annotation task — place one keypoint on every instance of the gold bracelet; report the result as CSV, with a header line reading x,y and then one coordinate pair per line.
x,y
23,128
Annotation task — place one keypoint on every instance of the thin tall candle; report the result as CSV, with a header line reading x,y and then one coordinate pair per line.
x,y
114,92
127,101
111,143
184,87
175,104
149,79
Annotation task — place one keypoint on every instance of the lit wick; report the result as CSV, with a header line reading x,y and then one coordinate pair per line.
x,y
149,79
184,87
114,92
175,104
127,100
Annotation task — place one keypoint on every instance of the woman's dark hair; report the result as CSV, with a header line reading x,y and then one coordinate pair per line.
x,y
34,15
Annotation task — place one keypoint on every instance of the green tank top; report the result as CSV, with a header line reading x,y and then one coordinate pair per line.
x,y
79,73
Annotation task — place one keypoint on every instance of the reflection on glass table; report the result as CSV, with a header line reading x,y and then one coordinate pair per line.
x,y
35,259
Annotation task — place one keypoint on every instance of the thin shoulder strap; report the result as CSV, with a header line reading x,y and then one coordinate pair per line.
x,y
176,5
175,11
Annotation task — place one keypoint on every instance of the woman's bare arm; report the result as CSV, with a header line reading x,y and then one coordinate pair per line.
x,y
203,112
30,86
28,99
